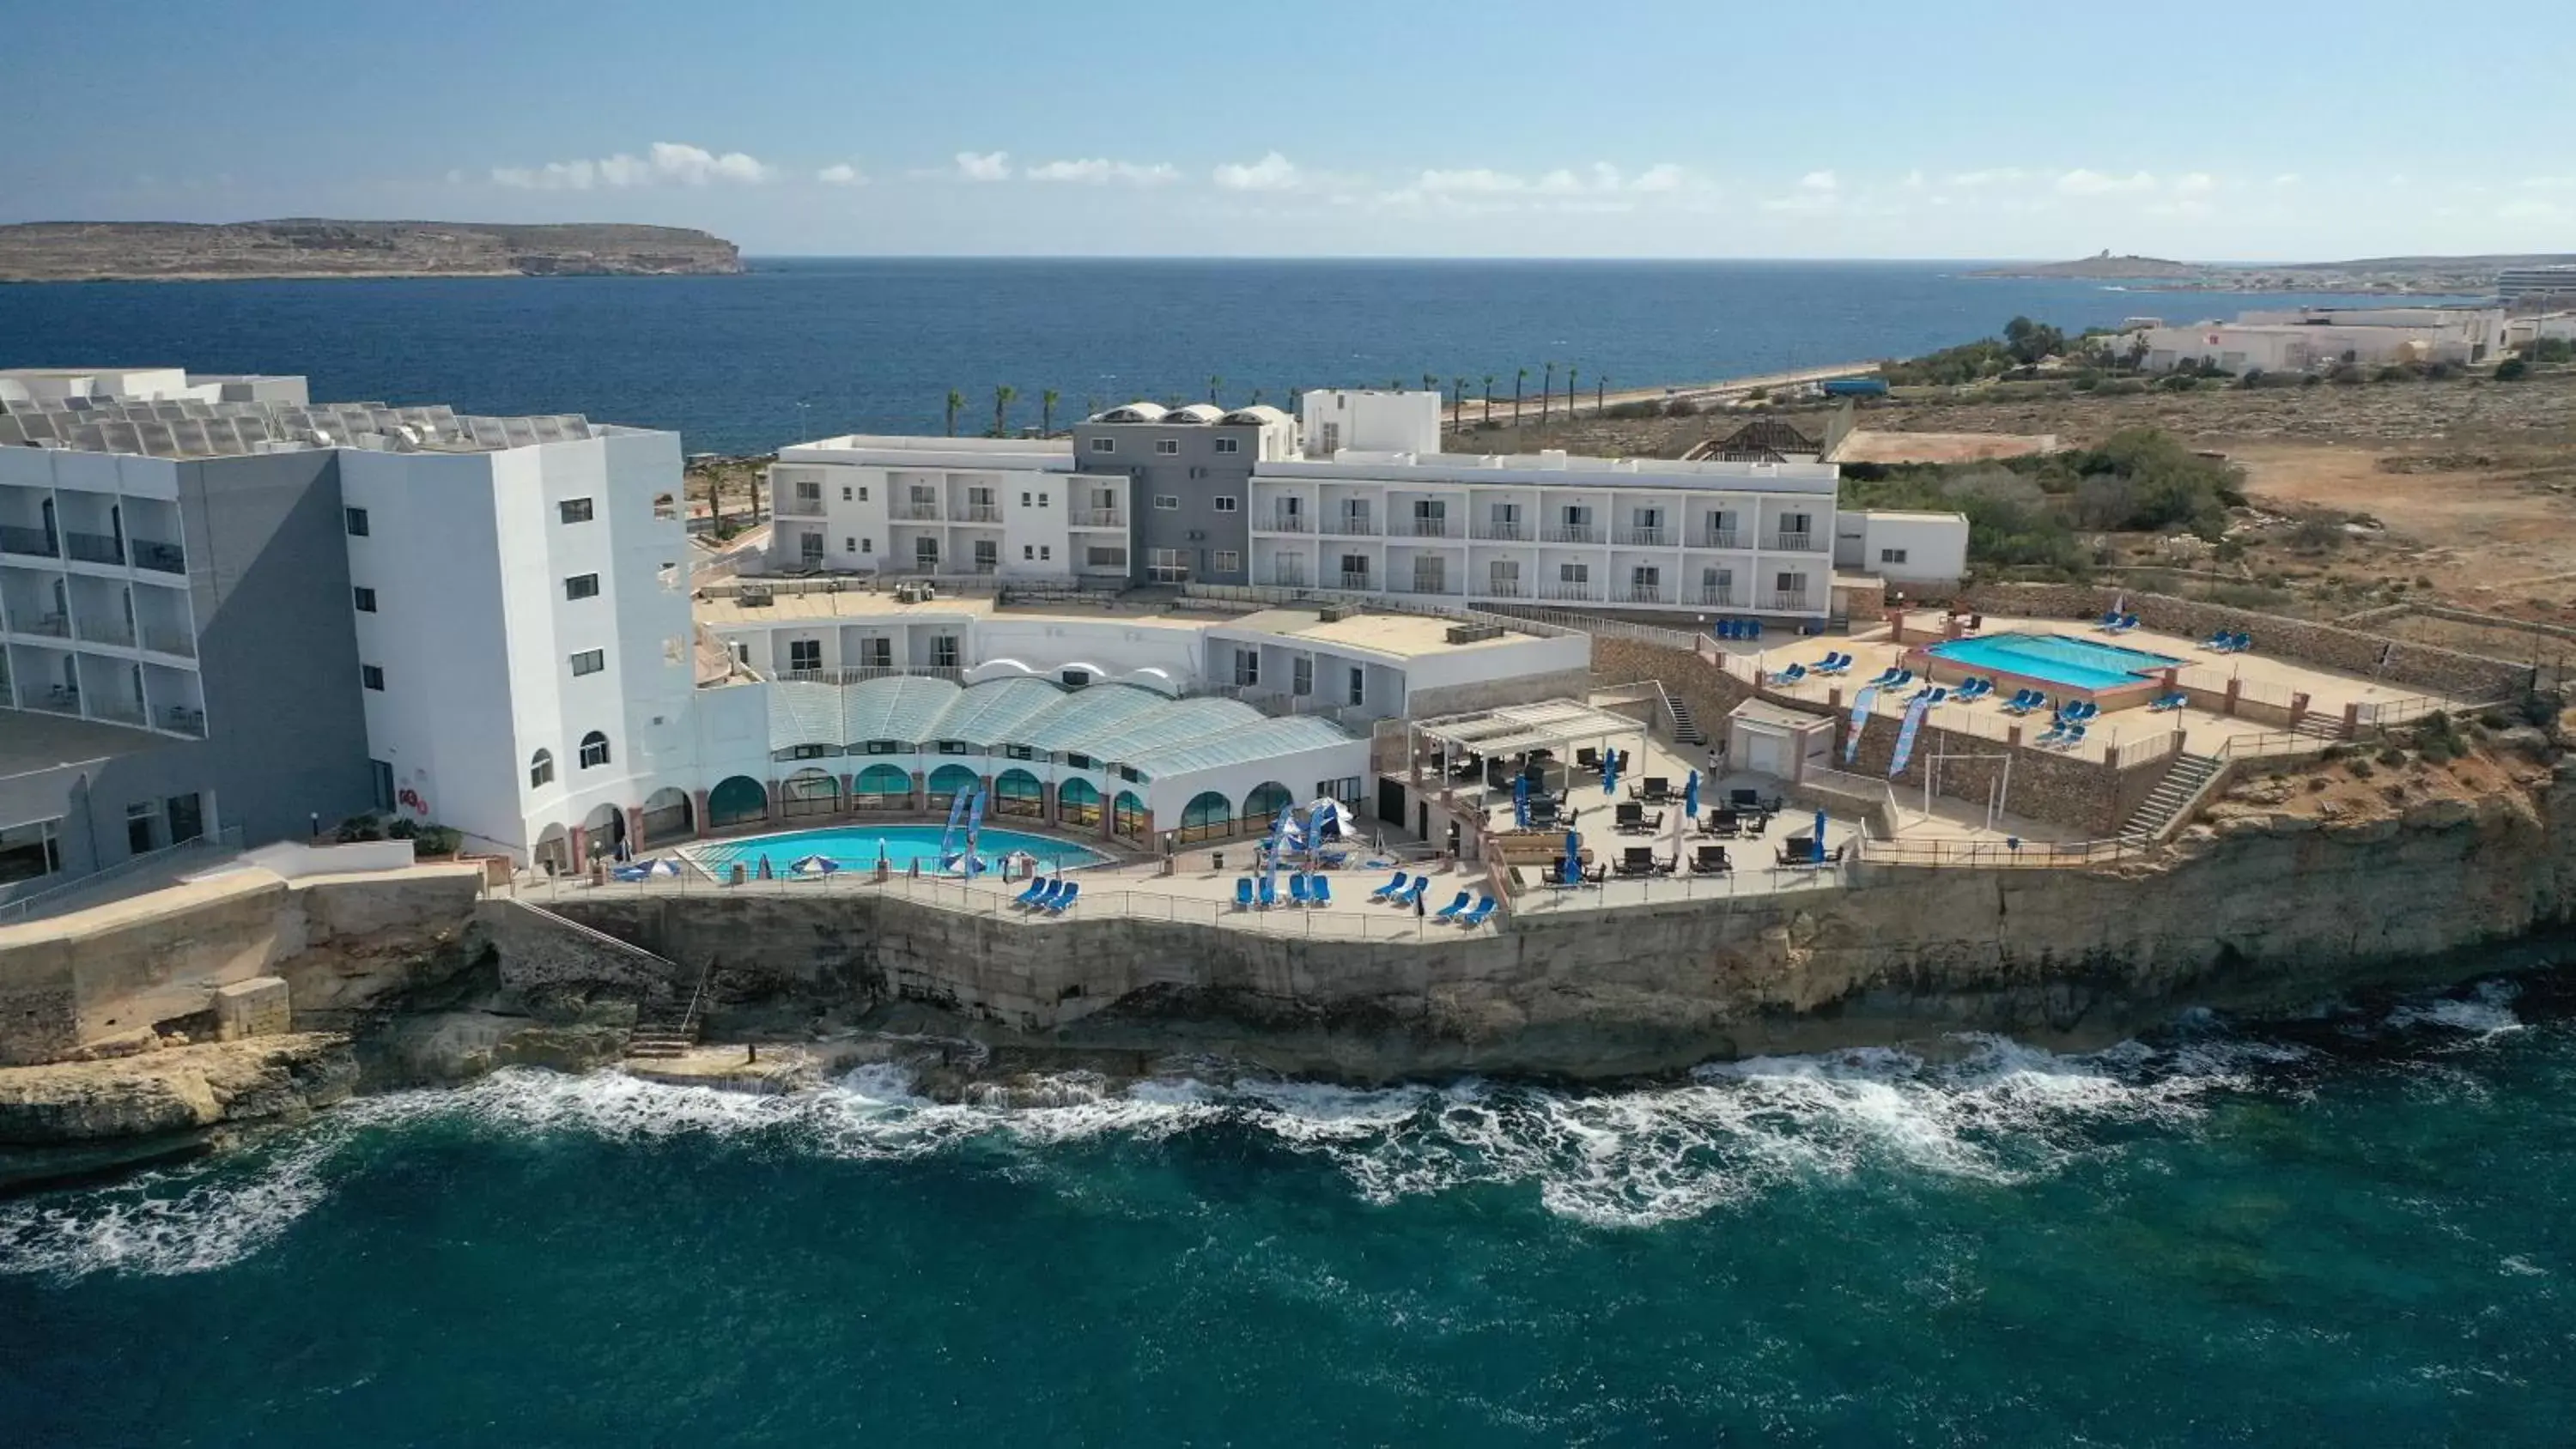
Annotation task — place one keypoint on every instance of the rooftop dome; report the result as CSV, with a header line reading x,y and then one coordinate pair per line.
x,y
1194,413
1134,412
1255,415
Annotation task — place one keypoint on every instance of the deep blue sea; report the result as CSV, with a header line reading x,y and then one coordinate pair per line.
x,y
2350,1230
808,348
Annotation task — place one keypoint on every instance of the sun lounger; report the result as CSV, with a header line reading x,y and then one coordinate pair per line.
x,y
2024,701
1885,679
1056,905
1451,910
1297,889
2055,733
1037,888
1046,891
2109,620
1243,893
1476,917
1790,675
1269,893
2074,736
1391,888
1413,892
1320,892
2166,702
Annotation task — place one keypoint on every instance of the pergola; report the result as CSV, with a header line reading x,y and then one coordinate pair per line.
x,y
1516,729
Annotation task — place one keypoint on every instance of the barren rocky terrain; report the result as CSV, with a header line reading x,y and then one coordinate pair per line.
x,y
175,251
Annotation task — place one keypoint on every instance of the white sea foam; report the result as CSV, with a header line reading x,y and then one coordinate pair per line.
x,y
1997,1112
2487,1012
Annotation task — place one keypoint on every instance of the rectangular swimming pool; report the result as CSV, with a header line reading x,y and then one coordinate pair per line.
x,y
2055,659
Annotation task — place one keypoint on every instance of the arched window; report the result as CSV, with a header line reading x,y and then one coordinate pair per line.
x,y
1017,792
1207,816
541,769
950,781
736,799
810,792
1265,803
594,750
1127,814
1077,801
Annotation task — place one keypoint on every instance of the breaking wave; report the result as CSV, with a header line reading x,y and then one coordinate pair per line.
x,y
1991,1111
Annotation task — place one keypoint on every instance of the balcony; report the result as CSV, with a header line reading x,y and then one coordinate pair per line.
x,y
1794,542
801,505
1570,533
1419,584
1286,579
977,513
1288,523
1786,604
97,548
169,641
1099,518
179,719
159,557
1570,593
1716,538
1351,528
1646,537
1505,589
1641,594
1503,531
51,625
1427,528
1718,599
1352,580
917,512
34,541
52,698
119,711
107,631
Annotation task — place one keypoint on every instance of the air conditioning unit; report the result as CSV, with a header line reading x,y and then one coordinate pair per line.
x,y
1333,615
1197,535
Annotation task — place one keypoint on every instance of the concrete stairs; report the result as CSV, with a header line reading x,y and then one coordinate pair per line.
x,y
2172,795
1685,729
664,1033
2318,726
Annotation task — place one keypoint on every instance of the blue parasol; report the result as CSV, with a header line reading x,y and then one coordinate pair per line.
x,y
1573,868
764,866
1820,837
1520,801
815,865
1690,795
1610,773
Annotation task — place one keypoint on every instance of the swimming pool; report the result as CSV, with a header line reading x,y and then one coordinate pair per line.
x,y
856,847
2054,659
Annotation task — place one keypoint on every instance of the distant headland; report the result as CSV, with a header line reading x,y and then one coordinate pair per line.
x,y
161,251
2475,275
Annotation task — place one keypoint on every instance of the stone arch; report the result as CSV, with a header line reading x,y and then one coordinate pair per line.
x,y
603,830
809,791
948,782
553,849
668,815
882,787
1265,804
1208,816
737,800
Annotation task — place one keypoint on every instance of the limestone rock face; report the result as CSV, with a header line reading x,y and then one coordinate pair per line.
x,y
176,1090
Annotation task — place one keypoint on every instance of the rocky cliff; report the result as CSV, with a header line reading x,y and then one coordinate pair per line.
x,y
81,251
82,1116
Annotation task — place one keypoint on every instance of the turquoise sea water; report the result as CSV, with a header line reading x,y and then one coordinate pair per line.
x,y
2352,1230
856,847
2073,663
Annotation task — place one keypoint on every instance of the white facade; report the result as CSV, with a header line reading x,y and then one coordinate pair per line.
x,y
1365,420
1002,507
524,635
1550,529
1903,547
2317,338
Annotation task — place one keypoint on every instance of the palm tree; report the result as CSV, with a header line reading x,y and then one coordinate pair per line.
x,y
1489,399
1395,384
1569,394
1457,403
1213,384
1256,397
1518,378
1046,411
1600,394
956,400
1430,383
1001,402
1546,393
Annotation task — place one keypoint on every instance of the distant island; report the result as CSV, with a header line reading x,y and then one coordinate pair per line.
x,y
164,251
2399,275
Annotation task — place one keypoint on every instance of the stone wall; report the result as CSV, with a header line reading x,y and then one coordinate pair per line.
x,y
2045,785
1706,690
1489,694
2425,666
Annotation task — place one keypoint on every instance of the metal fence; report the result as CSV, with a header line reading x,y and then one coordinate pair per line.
x,y
224,842
2000,854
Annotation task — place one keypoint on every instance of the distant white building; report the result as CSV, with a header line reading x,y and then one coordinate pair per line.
x,y
1001,507
2316,339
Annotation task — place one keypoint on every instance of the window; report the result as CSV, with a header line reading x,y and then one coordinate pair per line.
x,y
1891,555
28,852
1228,561
1332,438
365,599
372,676
1229,445
1166,566
849,544
863,493
877,652
1028,551
1042,500
1574,573
1167,501
589,661
1106,556
1046,552
356,518
1019,752
1104,445
582,586
1167,446
867,545
574,510
988,555
808,752
1793,585
541,769
804,654
1225,503
1359,684
943,651
594,750
1247,668
1301,675
1024,499
925,553
886,747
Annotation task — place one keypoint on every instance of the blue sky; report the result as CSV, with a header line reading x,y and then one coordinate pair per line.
x,y
1652,128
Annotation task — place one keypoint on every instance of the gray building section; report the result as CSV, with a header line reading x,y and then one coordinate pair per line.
x,y
286,736
1203,471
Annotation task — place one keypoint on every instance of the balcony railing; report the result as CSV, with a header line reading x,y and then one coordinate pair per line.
x,y
52,698
915,512
1505,589
106,631
800,505
1289,523
54,625
1427,528
119,711
160,557
169,641
1099,518
180,719
1646,537
1794,542
1641,594
1715,538
1786,604
1571,533
28,540
861,674
1718,599
1501,531
1422,585
97,548
1286,579
1582,593
977,513
1352,580
1347,527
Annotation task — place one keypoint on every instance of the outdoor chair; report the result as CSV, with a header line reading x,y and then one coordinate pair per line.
x,y
1269,893
1243,893
1653,790
1722,822
1472,919
1058,904
1320,892
1451,910
1711,860
1588,758
1639,860
1391,888
1297,890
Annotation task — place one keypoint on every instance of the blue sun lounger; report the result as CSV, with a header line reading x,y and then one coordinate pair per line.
x,y
1269,893
1451,910
2024,701
1045,898
1029,897
1413,892
1297,889
1056,905
1790,675
1472,919
1391,889
1243,893
1321,894
1887,678
2164,702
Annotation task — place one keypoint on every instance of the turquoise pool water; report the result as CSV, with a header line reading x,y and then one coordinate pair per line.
x,y
2073,663
856,848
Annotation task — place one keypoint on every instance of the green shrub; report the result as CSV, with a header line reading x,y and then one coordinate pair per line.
x,y
2392,756
2179,382
403,828
2359,767
357,828
2512,369
1681,407
2348,375
437,840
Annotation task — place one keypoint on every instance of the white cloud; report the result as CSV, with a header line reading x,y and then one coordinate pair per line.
x,y
2549,183
984,166
1273,172
2198,183
1472,179
1991,176
666,161
1664,176
1913,180
1818,181
1098,171
2083,182
841,173
2286,179
1815,191
2533,209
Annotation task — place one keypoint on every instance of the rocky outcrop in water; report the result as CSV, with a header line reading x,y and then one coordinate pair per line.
x,y
78,1116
